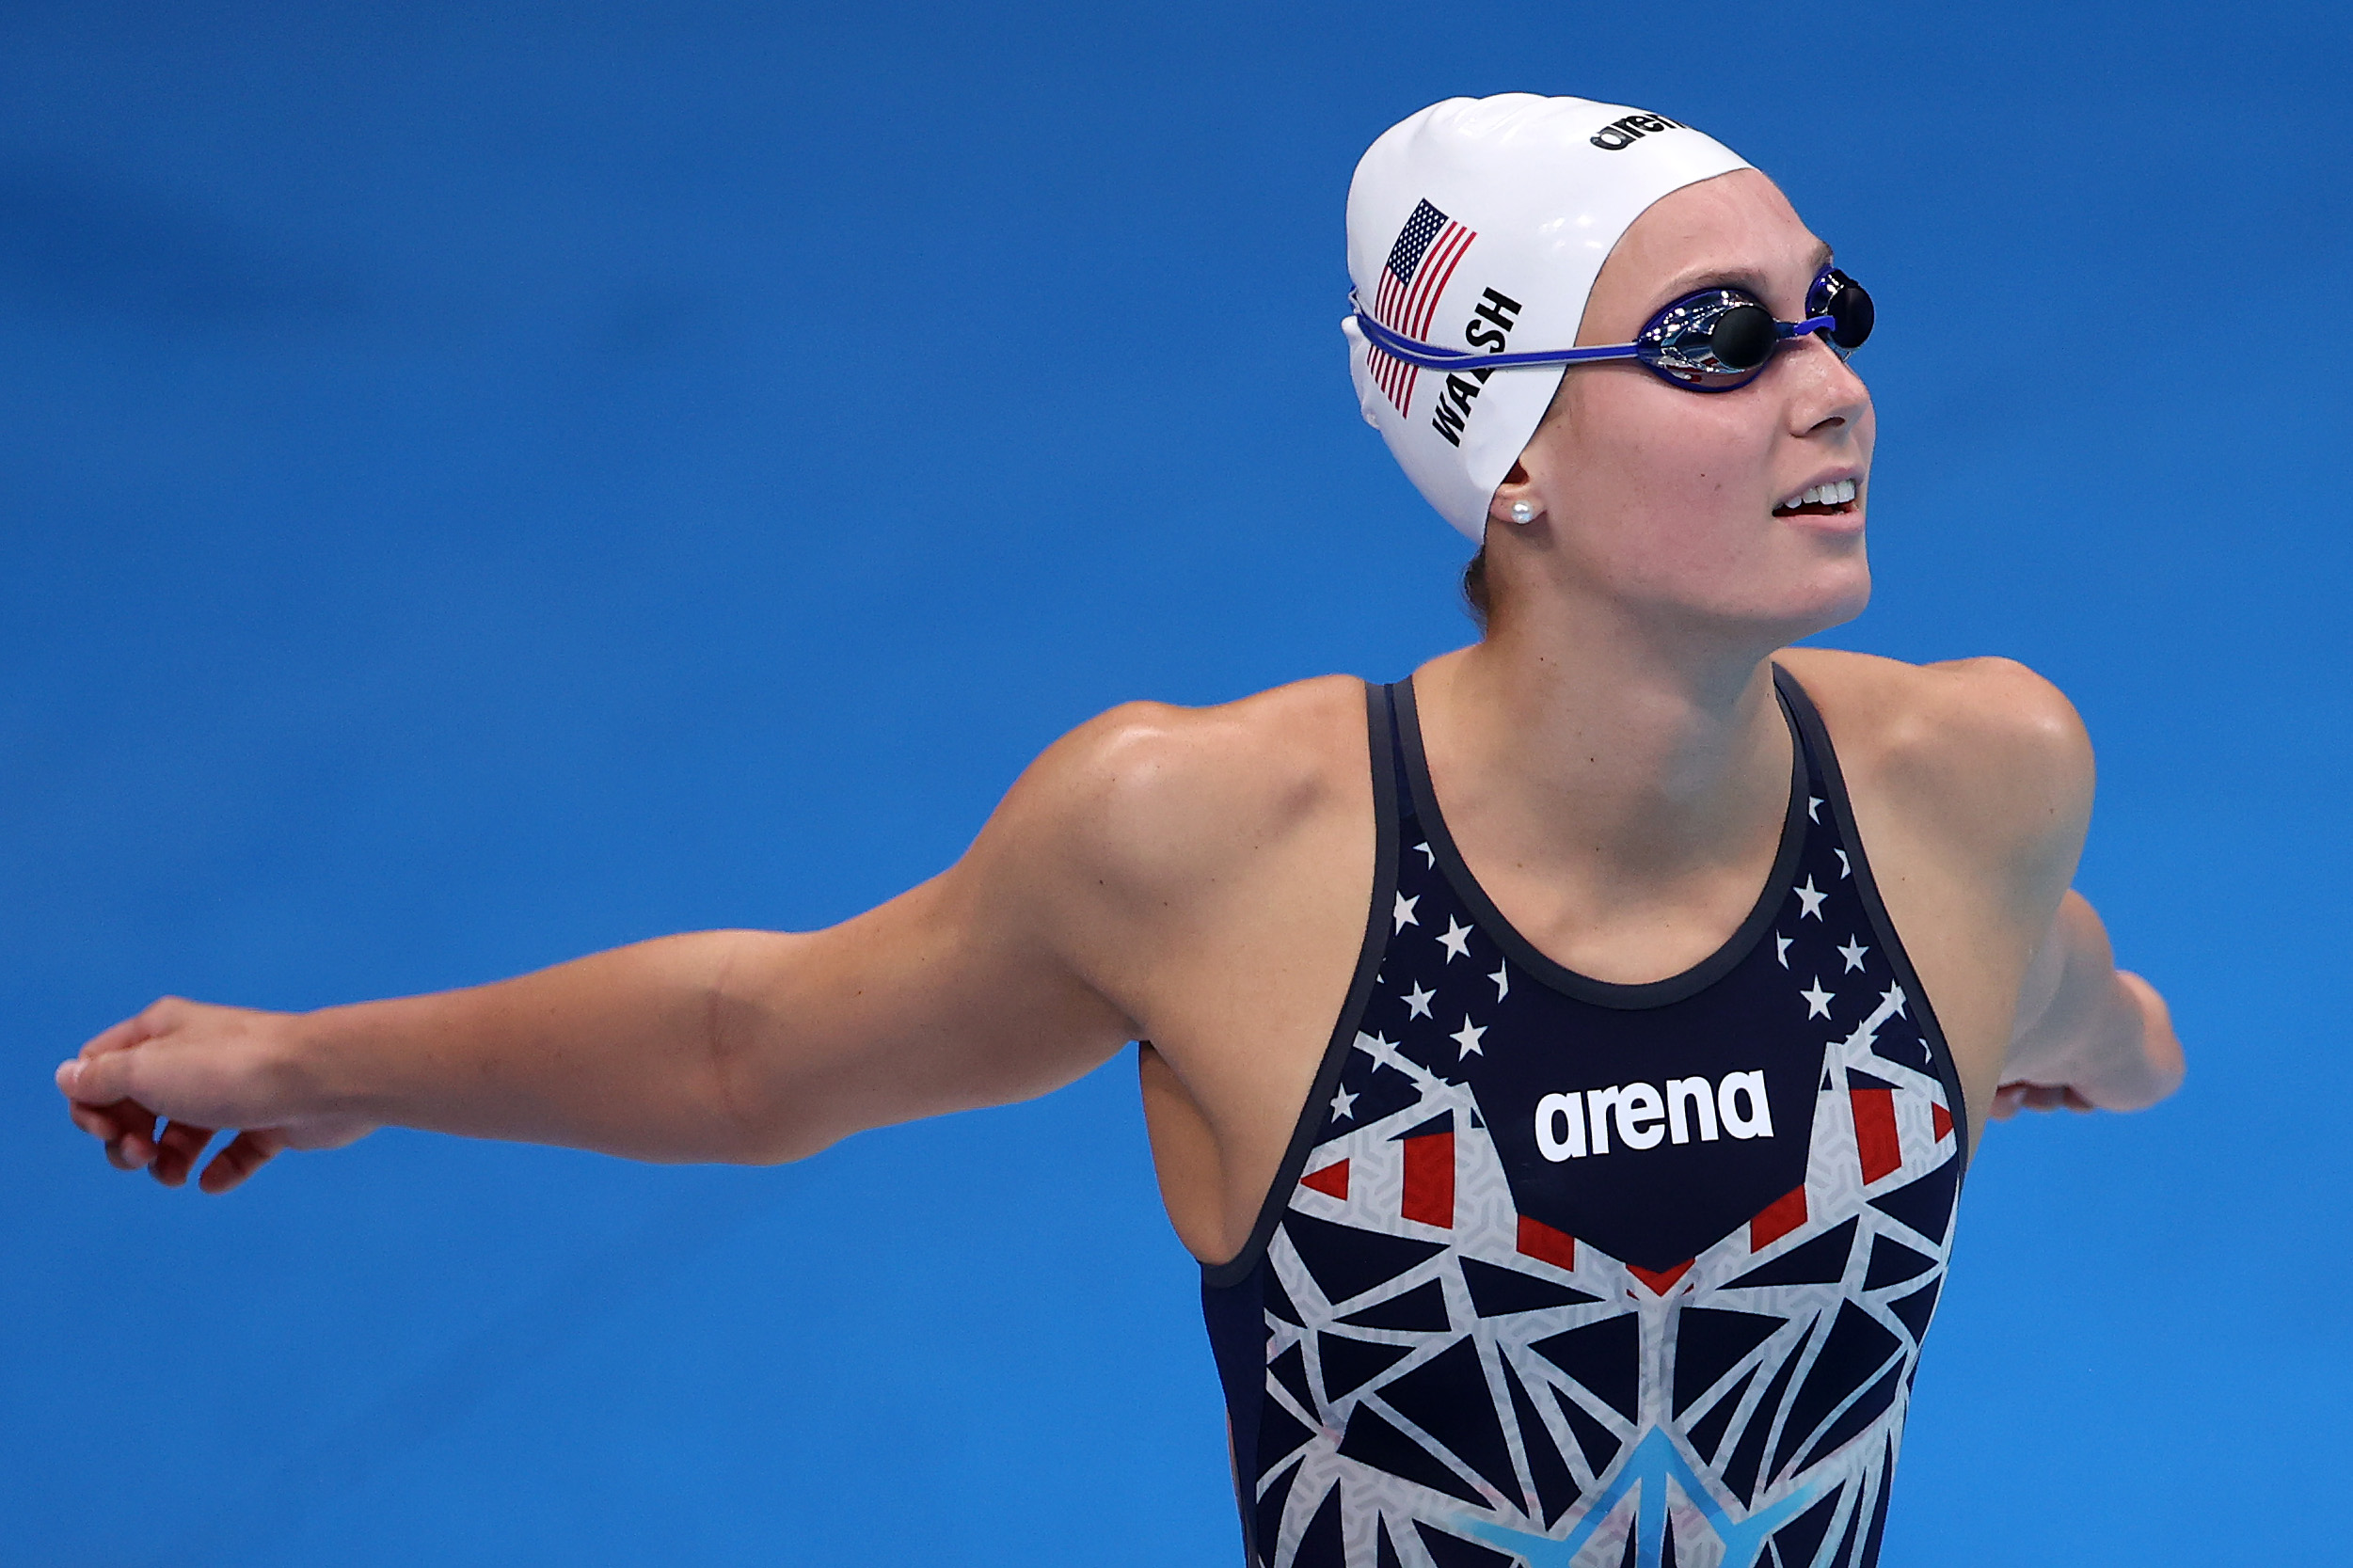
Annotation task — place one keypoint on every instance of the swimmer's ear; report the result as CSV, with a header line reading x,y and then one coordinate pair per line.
x,y
1515,502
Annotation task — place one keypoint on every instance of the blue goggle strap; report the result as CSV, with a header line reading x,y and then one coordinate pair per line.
x,y
1430,357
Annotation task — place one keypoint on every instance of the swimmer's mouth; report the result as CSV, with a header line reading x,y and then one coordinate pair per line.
x,y
1834,499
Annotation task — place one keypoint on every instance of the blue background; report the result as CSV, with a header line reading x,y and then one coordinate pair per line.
x,y
479,483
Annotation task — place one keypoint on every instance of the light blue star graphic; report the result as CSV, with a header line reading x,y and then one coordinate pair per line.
x,y
1646,1471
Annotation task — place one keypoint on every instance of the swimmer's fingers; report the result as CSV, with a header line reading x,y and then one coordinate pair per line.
x,y
126,1128
2011,1099
177,1151
101,1073
239,1159
144,1025
97,1094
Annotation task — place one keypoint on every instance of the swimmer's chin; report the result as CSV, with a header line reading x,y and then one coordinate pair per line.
x,y
1841,592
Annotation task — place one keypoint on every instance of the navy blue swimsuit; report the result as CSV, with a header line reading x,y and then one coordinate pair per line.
x,y
1573,1274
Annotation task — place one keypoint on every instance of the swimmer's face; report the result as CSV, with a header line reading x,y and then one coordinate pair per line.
x,y
1672,499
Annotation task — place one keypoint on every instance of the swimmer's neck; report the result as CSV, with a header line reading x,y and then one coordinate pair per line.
x,y
1630,739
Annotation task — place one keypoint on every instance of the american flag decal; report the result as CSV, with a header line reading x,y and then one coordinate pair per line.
x,y
1424,257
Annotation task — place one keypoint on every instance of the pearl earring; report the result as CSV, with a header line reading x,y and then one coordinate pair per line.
x,y
1523,513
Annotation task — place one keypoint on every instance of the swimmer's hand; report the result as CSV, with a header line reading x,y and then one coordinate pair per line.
x,y
2011,1099
196,1068
2091,1036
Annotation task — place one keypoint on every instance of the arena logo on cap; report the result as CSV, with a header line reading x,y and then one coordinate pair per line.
x,y
1622,133
1489,328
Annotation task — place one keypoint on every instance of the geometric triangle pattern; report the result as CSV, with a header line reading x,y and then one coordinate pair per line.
x,y
1706,1434
1892,1264
1603,1359
1422,1307
1569,1276
1821,1261
1555,1486
1350,1364
1709,1343
1496,1292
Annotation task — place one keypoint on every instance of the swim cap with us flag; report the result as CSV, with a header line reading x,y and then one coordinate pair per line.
x,y
1480,224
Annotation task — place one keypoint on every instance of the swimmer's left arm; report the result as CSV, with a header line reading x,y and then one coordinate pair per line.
x,y
2089,1035
1985,775
2085,1034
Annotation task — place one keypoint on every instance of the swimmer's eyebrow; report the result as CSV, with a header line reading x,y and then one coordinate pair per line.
x,y
1748,283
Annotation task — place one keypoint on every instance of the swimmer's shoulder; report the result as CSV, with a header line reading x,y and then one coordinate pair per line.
x,y
1152,801
1982,753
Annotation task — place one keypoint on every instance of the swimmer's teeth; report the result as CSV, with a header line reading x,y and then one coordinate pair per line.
x,y
1837,493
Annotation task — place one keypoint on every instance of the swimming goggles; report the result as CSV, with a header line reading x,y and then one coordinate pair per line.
x,y
1710,341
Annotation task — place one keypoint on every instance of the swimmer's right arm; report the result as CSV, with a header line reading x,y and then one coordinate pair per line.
x,y
739,1046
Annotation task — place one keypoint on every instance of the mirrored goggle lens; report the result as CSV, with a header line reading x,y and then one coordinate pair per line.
x,y
1717,339
1847,305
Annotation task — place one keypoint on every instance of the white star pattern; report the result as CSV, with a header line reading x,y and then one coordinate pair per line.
x,y
1455,939
1818,1000
1429,855
1418,1001
1813,808
1404,913
1895,999
1852,952
1812,897
1468,1037
1846,867
1781,949
1502,978
1343,1104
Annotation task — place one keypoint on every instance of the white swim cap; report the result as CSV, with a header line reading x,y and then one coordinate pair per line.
x,y
1481,224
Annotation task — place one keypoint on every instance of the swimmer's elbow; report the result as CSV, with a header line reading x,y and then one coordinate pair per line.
x,y
753,1119
2113,1043
2157,1053
754,1125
